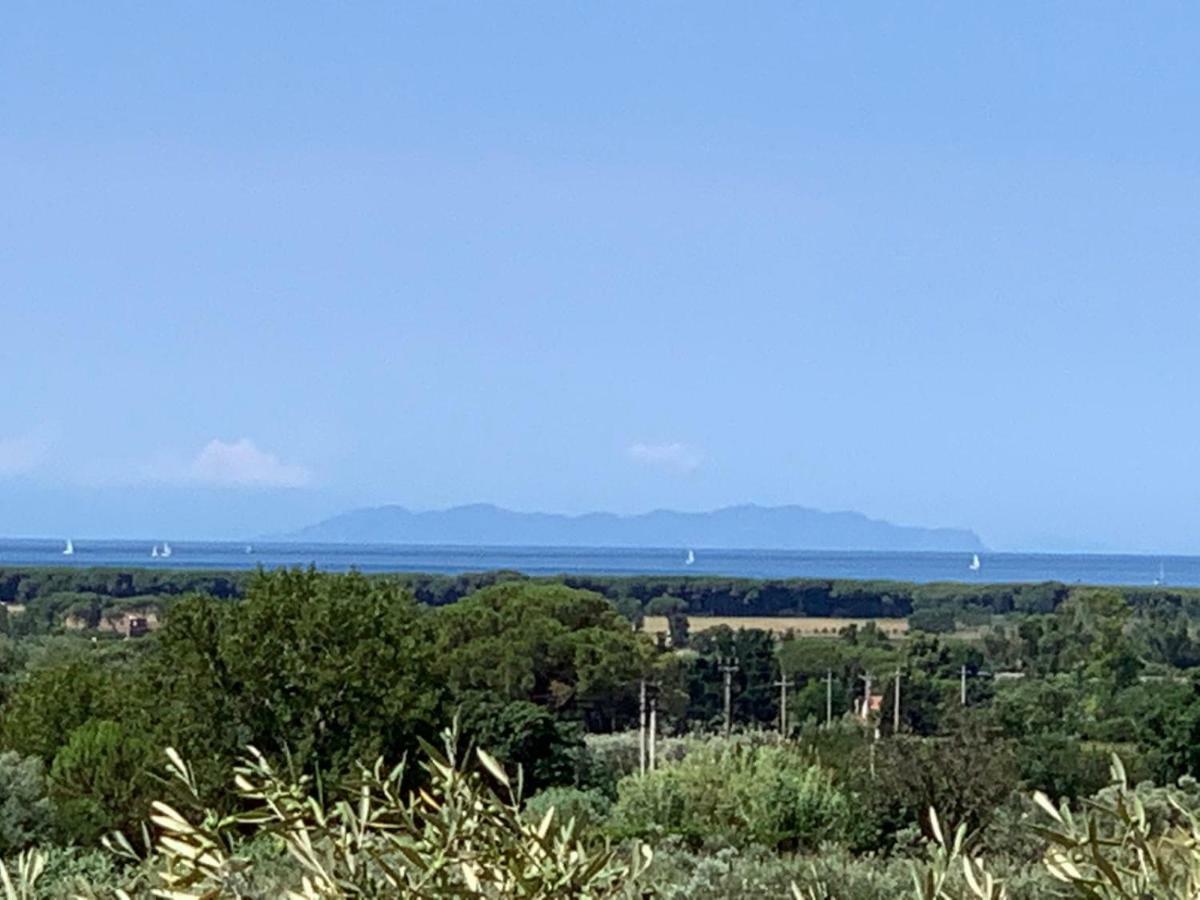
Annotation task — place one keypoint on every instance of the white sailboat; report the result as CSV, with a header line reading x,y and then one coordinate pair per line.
x,y
974,566
166,550
69,550
154,551
691,558
1162,576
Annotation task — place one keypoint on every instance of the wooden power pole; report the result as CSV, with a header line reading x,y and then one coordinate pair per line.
x,y
783,684
871,734
642,727
728,667
963,686
653,725
896,707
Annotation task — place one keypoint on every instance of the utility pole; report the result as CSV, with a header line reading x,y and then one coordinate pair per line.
x,y
653,725
896,707
783,684
642,727
962,691
872,734
828,697
728,667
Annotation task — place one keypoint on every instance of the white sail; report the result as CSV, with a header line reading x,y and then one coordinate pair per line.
x,y
974,566
69,550
166,550
691,558
154,551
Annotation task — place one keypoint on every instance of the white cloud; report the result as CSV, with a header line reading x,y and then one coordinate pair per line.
x,y
240,462
673,456
21,453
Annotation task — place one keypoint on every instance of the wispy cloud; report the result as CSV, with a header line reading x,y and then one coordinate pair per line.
x,y
673,456
242,463
22,453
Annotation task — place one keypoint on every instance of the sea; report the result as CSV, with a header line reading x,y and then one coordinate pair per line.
x,y
1110,569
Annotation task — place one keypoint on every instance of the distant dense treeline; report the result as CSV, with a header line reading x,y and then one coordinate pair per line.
x,y
24,584
703,595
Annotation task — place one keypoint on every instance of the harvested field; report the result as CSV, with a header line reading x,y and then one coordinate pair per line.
x,y
802,626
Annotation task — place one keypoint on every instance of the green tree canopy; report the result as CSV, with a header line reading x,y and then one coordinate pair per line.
x,y
555,646
326,668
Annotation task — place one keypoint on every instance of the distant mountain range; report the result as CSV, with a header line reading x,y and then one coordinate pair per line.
x,y
733,527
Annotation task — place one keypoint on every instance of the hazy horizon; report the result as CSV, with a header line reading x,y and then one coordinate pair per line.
x,y
297,513
935,265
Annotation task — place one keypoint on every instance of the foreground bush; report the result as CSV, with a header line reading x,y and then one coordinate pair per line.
x,y
756,872
464,836
98,781
589,809
461,836
735,795
24,807
1123,846
1114,849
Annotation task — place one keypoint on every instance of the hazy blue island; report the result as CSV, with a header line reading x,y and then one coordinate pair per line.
x,y
745,527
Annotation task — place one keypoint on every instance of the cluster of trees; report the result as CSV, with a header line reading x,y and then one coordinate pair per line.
x,y
321,671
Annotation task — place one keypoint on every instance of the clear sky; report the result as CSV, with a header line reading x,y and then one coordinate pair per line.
x,y
938,263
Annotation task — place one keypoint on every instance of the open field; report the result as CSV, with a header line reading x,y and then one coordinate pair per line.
x,y
803,626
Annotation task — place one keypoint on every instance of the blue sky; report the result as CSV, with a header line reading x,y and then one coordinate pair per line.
x,y
938,263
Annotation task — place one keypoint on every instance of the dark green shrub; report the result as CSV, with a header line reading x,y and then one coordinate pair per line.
x,y
25,815
589,809
98,781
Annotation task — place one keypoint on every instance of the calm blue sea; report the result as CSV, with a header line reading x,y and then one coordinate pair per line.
x,y
996,567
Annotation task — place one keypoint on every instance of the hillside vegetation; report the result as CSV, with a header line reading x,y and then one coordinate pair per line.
x,y
297,680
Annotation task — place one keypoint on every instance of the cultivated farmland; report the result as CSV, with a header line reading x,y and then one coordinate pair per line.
x,y
801,626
